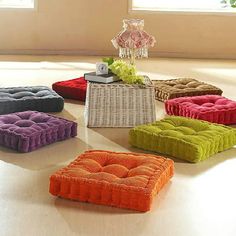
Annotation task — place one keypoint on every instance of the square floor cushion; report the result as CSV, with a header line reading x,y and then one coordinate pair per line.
x,y
37,98
73,89
126,180
182,87
212,108
29,130
184,138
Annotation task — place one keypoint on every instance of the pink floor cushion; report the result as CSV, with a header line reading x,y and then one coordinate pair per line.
x,y
29,130
73,89
212,108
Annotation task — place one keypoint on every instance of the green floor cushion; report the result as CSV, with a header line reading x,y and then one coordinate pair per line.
x,y
184,138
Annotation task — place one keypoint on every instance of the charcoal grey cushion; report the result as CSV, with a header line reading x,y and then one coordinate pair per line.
x,y
37,98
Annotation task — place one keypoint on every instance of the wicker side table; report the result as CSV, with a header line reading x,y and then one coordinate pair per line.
x,y
119,105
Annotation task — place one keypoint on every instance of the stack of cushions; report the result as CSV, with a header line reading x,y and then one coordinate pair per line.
x,y
184,138
29,130
39,98
182,87
126,180
73,89
212,108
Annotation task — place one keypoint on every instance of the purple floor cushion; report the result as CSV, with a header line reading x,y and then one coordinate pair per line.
x,y
29,130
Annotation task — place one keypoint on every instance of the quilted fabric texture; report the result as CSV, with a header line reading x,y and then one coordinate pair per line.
x,y
74,88
38,98
126,180
29,130
212,108
182,87
184,138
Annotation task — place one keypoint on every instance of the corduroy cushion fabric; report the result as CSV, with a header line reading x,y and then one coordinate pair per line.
x,y
73,89
212,108
182,87
126,180
29,130
184,138
37,98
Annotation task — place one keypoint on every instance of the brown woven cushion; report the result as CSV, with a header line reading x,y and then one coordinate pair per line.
x,y
182,87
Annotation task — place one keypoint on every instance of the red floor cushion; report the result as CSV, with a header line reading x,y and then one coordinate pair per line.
x,y
73,89
212,108
126,180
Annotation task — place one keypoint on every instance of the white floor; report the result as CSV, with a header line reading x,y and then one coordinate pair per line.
x,y
199,201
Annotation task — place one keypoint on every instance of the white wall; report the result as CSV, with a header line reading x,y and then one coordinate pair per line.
x,y
83,26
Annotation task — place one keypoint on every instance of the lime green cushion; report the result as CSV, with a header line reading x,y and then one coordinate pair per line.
x,y
184,138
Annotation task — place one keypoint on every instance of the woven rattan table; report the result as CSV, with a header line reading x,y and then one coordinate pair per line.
x,y
119,104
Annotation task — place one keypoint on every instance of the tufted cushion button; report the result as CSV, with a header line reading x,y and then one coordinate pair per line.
x,y
185,130
136,181
42,93
24,131
90,165
170,83
24,123
101,158
8,126
116,169
39,118
169,133
208,104
143,170
204,86
10,119
184,81
76,172
180,86
23,94
222,101
192,84
103,176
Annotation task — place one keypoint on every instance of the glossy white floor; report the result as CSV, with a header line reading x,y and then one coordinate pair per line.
x,y
198,201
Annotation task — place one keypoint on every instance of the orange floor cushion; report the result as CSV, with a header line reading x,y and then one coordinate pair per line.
x,y
126,180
